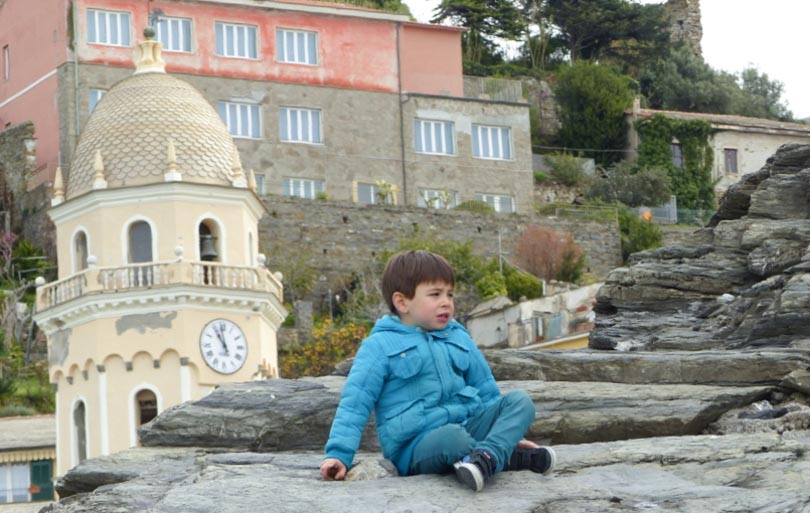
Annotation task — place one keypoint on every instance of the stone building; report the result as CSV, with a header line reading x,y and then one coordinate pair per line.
x,y
740,145
685,23
162,293
322,99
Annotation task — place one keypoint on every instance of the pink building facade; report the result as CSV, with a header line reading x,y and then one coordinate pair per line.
x,y
324,100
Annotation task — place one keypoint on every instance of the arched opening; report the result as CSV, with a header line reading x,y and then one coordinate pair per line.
x,y
80,431
146,407
80,252
208,234
140,242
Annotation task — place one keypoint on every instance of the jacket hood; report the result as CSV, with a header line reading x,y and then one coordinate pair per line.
x,y
392,323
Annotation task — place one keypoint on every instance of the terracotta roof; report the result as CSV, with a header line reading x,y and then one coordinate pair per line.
x,y
727,120
27,432
131,127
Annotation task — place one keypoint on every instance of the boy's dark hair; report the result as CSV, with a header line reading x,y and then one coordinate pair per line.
x,y
406,270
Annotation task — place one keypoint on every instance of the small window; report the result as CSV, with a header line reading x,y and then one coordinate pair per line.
x,y
242,119
730,157
146,406
437,199
80,432
303,188
140,242
299,125
260,185
297,46
434,137
80,252
6,63
371,194
94,97
174,34
235,40
677,155
500,203
492,142
108,27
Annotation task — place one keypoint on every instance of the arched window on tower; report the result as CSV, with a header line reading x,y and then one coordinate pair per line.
x,y
80,252
146,407
210,249
140,242
80,432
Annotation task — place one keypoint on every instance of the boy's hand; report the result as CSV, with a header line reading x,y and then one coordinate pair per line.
x,y
527,444
332,468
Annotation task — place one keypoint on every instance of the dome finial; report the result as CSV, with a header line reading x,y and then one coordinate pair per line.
x,y
58,188
172,174
98,166
238,175
148,59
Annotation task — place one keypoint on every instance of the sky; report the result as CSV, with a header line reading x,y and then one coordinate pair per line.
x,y
768,35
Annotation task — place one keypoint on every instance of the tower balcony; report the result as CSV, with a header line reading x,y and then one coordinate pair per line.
x,y
151,276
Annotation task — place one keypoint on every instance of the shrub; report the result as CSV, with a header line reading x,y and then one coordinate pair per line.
x,y
541,177
330,345
649,186
481,207
636,233
492,284
550,254
520,284
566,169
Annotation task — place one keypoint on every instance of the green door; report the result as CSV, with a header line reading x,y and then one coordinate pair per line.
x,y
42,480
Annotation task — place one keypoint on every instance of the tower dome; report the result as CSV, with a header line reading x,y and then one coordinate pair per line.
x,y
133,123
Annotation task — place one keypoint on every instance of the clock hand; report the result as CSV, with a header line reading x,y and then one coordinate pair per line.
x,y
221,338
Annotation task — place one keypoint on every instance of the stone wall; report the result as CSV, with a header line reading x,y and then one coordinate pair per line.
x,y
24,211
338,238
685,23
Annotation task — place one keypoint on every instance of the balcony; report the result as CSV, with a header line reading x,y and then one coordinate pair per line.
x,y
497,89
153,275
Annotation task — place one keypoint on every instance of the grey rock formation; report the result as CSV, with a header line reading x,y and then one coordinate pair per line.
x,y
763,472
757,253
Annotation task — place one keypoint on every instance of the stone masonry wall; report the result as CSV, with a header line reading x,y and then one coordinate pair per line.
x,y
685,23
337,238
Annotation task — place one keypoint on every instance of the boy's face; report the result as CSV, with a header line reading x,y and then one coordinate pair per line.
x,y
430,308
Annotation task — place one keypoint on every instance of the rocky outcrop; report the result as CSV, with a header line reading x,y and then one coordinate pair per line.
x,y
745,282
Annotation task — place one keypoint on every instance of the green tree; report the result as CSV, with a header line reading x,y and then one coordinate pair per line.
x,y
386,5
595,29
592,101
484,20
636,233
631,185
762,97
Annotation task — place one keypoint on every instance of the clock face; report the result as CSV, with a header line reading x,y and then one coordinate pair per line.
x,y
223,346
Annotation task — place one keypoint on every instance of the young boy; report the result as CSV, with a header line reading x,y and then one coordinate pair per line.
x,y
436,404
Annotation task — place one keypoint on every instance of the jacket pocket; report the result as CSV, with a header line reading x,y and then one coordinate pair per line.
x,y
459,355
405,362
470,399
403,423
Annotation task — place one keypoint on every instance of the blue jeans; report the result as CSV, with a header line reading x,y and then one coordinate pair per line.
x,y
496,429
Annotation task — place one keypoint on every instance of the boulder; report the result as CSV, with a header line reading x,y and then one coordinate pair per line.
x,y
690,474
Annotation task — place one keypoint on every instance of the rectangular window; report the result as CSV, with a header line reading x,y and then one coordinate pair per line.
x,y
370,194
108,27
437,199
174,34
730,155
6,63
15,479
95,97
434,137
492,142
299,125
235,40
677,154
260,185
498,202
303,188
297,46
242,119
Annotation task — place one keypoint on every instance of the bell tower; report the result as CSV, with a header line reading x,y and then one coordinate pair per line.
x,y
162,293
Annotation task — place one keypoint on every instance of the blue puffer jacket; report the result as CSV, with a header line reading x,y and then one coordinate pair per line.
x,y
416,380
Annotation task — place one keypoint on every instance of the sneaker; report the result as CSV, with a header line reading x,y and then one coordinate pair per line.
x,y
475,469
539,459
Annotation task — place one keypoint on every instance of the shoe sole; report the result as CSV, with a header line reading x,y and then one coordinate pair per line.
x,y
469,475
553,457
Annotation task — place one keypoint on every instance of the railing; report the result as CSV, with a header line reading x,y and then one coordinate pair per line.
x,y
142,276
488,88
